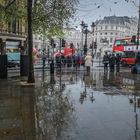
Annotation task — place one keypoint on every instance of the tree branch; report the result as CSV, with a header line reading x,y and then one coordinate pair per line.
x,y
9,4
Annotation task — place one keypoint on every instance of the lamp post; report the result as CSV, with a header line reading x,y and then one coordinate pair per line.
x,y
82,26
93,44
85,46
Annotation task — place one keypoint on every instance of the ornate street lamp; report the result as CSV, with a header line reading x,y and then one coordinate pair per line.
x,y
86,33
93,43
82,27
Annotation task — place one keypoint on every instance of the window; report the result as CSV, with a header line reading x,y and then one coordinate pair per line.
x,y
105,33
106,27
40,38
101,27
111,40
35,37
14,26
129,54
120,42
112,27
111,33
9,27
124,42
100,33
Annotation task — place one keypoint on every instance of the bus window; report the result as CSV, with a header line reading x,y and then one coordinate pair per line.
x,y
129,54
120,42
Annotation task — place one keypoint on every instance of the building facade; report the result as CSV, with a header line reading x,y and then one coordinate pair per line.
x,y
76,37
109,28
39,42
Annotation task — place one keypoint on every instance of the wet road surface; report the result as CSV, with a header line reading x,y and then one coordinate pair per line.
x,y
71,105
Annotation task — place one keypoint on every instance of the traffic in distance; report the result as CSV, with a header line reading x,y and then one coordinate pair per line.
x,y
127,48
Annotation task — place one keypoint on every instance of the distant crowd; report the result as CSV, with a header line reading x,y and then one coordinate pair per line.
x,y
111,61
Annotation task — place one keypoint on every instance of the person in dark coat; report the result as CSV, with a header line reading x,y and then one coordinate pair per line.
x,y
69,61
118,60
112,62
57,58
106,61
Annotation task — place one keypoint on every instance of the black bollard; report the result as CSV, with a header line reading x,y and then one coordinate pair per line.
x,y
52,67
3,67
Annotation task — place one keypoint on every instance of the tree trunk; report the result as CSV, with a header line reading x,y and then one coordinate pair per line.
x,y
30,43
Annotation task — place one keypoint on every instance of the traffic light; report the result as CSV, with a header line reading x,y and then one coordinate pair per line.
x,y
63,43
91,46
52,42
54,45
133,39
95,45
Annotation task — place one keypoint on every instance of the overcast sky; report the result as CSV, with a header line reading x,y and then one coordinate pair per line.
x,y
91,10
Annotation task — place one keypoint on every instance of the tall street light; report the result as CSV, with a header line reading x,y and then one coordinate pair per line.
x,y
85,46
93,43
82,26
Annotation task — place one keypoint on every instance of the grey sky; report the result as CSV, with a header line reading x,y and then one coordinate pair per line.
x,y
91,10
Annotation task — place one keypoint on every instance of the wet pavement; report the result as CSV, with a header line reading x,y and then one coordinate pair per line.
x,y
71,105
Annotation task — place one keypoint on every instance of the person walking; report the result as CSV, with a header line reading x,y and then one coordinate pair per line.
x,y
105,61
44,56
112,62
88,62
118,60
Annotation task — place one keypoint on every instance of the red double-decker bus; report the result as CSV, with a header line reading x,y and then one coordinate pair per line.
x,y
127,48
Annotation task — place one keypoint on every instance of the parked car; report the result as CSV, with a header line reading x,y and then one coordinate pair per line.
x,y
13,60
12,63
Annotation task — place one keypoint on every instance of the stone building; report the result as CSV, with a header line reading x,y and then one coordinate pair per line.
x,y
12,32
109,28
76,37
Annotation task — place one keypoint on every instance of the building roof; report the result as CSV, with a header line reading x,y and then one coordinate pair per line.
x,y
116,20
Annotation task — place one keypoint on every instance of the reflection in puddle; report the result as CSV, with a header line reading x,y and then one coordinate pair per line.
x,y
72,105
54,109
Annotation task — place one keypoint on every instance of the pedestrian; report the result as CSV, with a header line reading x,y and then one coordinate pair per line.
x,y
112,62
105,61
57,58
63,60
88,62
69,61
118,60
44,56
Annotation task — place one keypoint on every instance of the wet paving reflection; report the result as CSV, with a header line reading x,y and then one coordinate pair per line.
x,y
72,105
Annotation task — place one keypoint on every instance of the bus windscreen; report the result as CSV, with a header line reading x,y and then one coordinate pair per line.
x,y
124,42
